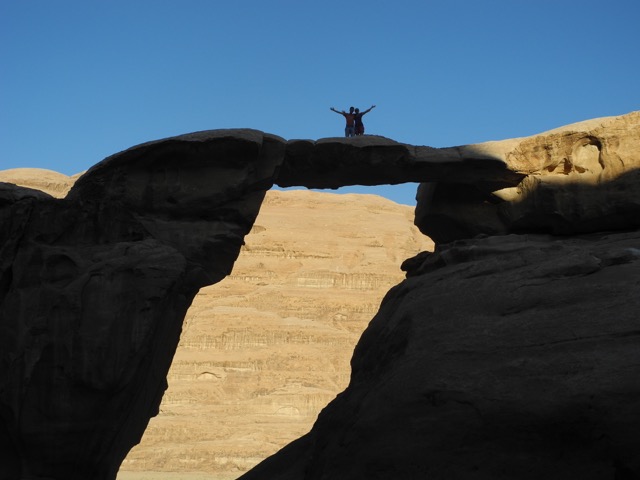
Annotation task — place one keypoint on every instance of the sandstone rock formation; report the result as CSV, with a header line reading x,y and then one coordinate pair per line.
x,y
52,183
374,160
579,178
508,357
94,288
264,350
504,356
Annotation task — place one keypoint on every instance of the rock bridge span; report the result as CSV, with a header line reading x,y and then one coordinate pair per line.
x,y
94,287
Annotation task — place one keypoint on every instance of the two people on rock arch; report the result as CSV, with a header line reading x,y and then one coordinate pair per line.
x,y
354,120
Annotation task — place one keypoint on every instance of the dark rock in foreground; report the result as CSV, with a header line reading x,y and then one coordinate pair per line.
x,y
94,289
513,357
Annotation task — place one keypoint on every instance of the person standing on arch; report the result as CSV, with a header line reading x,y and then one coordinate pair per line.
x,y
350,128
358,120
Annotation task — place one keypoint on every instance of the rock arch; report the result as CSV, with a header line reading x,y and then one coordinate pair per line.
x,y
116,263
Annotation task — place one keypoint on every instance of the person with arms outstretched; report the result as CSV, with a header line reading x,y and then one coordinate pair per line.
x,y
350,128
358,120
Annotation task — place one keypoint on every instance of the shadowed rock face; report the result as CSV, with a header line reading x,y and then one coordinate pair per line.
x,y
373,160
94,288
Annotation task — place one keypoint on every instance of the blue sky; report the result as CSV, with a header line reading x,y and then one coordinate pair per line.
x,y
81,80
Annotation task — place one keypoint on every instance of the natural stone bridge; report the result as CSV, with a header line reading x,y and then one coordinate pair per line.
x,y
94,287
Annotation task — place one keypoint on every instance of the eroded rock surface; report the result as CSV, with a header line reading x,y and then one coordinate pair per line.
x,y
580,178
498,358
94,289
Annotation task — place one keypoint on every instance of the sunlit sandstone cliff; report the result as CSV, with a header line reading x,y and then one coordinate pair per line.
x,y
263,351
507,357
471,369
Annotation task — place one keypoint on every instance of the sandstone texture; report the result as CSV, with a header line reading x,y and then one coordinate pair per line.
x,y
580,178
508,357
264,350
52,183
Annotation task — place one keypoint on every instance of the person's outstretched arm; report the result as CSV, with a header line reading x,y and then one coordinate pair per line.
x,y
334,110
369,109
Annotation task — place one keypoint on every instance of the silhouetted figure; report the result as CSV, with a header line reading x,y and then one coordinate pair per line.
x,y
350,128
358,119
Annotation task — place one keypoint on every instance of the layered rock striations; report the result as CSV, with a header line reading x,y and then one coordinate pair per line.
x,y
473,368
264,350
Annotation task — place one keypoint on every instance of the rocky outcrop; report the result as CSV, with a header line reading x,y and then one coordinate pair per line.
x,y
579,178
498,358
94,289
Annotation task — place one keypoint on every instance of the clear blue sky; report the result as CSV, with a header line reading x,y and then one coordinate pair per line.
x,y
81,80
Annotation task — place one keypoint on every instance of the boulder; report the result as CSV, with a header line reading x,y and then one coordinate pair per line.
x,y
507,357
94,288
580,178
